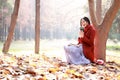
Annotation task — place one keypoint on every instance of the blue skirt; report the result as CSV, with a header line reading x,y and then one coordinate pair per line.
x,y
74,55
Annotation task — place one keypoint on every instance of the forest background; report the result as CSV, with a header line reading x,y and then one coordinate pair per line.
x,y
59,24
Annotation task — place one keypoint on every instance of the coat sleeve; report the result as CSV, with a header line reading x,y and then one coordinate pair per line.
x,y
79,40
89,40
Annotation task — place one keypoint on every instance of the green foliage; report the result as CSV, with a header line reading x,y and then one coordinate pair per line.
x,y
115,30
5,12
2,3
113,47
5,8
114,36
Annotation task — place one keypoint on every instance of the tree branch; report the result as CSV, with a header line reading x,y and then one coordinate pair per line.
x,y
92,12
98,11
110,14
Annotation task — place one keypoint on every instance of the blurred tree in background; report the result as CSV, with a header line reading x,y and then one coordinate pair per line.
x,y
12,26
59,19
5,12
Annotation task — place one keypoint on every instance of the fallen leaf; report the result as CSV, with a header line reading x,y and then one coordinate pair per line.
x,y
1,61
70,71
30,71
92,70
65,75
78,75
53,70
6,71
118,77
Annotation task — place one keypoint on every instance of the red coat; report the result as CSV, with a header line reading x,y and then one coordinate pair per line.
x,y
88,42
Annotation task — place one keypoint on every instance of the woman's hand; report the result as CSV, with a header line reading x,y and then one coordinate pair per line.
x,y
77,46
71,44
81,34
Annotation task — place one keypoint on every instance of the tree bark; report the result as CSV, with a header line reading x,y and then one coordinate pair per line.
x,y
37,26
12,27
103,28
98,10
100,44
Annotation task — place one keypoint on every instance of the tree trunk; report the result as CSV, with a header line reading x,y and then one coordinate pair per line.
x,y
100,44
37,26
12,27
103,28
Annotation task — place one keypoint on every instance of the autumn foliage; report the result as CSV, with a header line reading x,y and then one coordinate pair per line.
x,y
36,67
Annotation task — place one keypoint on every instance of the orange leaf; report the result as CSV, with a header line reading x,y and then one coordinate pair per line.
x,y
6,71
53,70
118,77
78,75
70,71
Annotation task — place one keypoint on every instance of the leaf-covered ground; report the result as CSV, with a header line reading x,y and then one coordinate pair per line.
x,y
36,67
23,64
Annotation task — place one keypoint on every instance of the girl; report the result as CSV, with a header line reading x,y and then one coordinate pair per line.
x,y
83,52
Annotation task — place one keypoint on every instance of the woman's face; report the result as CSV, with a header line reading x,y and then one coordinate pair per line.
x,y
83,23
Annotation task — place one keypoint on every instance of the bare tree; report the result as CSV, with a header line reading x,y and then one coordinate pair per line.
x,y
12,26
37,26
103,28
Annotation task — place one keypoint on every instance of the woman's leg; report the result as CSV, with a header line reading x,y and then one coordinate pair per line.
x,y
83,58
74,54
67,54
